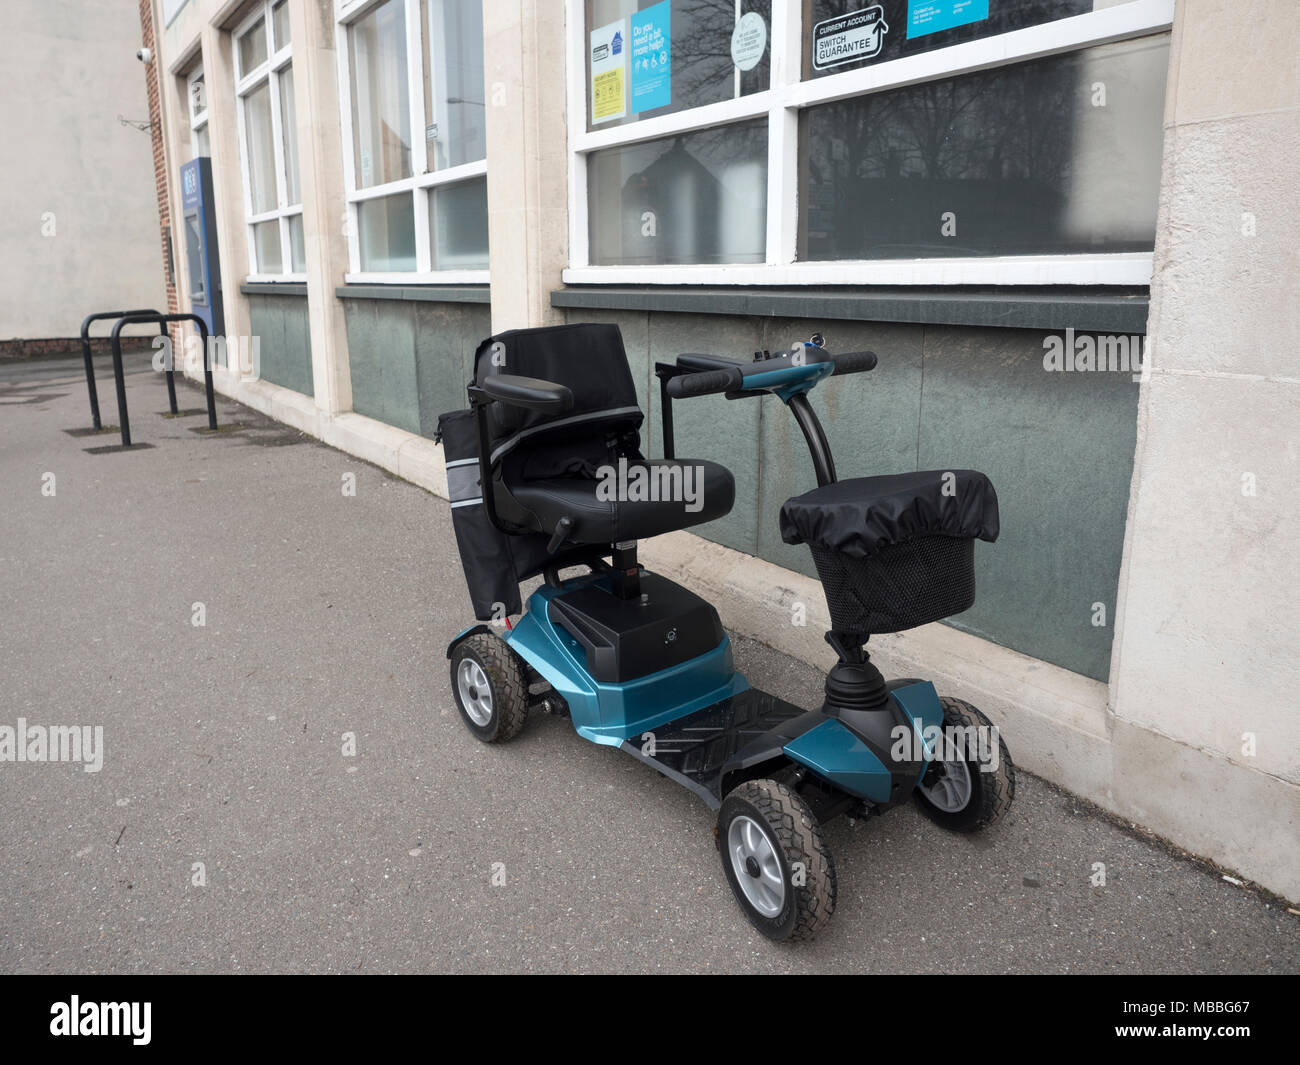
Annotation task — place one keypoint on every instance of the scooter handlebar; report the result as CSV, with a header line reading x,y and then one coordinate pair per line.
x,y
853,362
705,383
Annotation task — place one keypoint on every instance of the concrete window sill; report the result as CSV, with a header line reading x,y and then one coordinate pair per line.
x,y
425,293
273,288
1121,311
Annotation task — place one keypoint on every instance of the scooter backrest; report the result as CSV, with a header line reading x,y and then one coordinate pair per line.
x,y
588,359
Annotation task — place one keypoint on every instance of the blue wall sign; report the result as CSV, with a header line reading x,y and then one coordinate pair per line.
x,y
652,58
931,16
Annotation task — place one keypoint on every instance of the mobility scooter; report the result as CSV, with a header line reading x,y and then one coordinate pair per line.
x,y
545,475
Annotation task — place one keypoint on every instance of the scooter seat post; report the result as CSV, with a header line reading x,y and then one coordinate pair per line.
x,y
626,582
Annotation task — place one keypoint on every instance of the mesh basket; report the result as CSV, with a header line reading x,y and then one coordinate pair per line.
x,y
901,586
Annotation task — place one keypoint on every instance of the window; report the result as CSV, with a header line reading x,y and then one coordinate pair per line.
x,y
677,56
865,141
268,142
699,197
1011,161
197,104
415,116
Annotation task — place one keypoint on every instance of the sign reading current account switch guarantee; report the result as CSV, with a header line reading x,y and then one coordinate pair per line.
x,y
860,35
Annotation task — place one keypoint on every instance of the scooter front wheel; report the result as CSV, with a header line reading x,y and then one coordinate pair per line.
x,y
776,861
490,688
972,782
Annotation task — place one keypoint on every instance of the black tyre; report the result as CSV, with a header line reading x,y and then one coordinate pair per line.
x,y
490,688
776,861
964,790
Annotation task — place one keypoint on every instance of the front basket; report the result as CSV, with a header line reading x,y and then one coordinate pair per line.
x,y
901,586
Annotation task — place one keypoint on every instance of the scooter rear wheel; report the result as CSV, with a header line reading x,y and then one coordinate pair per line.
x,y
776,861
490,689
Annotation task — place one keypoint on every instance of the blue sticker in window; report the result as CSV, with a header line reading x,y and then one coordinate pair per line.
x,y
931,16
652,58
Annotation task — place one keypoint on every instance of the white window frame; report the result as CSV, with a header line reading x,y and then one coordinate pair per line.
x,y
278,59
198,121
422,180
781,104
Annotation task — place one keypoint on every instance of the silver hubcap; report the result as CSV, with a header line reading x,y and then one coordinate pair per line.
x,y
756,865
475,693
952,789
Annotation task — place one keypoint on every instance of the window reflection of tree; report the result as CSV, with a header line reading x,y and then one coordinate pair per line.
x,y
703,72
992,149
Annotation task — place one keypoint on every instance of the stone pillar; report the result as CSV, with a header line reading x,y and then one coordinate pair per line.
x,y
227,182
1207,651
320,151
525,52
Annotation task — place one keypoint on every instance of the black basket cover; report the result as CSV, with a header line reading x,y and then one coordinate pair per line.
x,y
860,516
900,587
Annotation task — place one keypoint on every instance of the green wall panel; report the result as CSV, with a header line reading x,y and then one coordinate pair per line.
x,y
285,340
381,355
410,359
1059,450
446,337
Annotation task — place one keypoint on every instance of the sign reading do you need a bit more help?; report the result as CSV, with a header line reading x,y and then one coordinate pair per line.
x,y
652,58
632,64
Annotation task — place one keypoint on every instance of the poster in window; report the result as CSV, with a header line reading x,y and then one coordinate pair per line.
x,y
652,58
931,16
851,33
748,40
609,72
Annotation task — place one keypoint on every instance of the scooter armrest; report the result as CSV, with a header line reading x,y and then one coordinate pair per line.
x,y
531,393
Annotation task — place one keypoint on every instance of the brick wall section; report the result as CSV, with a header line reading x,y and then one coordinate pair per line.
x,y
160,175
61,347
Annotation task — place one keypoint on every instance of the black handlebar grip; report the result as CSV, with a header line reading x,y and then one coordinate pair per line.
x,y
853,362
705,383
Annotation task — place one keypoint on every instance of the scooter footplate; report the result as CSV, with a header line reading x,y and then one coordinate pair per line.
x,y
696,750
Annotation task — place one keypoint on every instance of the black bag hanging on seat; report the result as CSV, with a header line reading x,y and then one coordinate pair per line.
x,y
485,552
494,562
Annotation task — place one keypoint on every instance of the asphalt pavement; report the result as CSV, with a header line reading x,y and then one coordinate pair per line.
x,y
230,829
